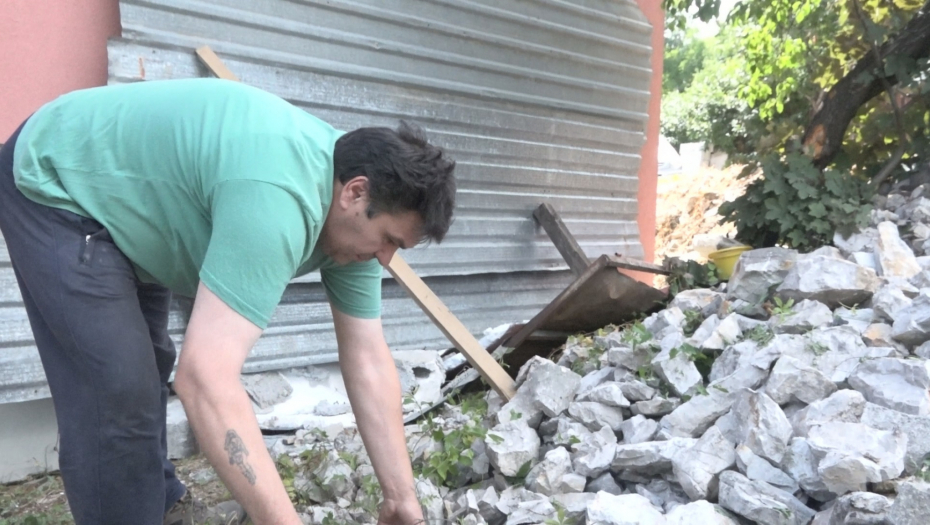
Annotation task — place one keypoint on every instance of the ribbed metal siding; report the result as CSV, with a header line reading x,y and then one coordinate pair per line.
x,y
537,100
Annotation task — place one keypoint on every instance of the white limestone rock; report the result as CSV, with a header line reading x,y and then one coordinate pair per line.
x,y
917,429
698,513
511,446
850,454
575,504
698,300
628,509
522,506
655,407
912,323
609,393
547,389
638,429
863,508
864,241
801,464
791,380
828,280
596,415
835,352
554,474
696,468
758,469
594,455
843,406
661,323
899,384
804,317
887,301
910,507
759,271
678,371
649,458
759,424
760,502
895,257
695,416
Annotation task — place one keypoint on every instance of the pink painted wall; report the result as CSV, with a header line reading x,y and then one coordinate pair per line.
x,y
50,47
649,168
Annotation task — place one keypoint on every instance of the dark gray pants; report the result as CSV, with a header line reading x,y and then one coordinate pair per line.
x,y
103,340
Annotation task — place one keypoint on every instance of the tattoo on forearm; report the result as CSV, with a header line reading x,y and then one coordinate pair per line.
x,y
237,454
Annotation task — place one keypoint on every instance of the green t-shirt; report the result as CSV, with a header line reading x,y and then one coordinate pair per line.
x,y
198,180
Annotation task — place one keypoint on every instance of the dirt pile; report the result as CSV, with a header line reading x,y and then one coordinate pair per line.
x,y
686,211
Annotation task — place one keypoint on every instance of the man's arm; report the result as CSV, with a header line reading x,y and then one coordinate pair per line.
x,y
216,344
374,391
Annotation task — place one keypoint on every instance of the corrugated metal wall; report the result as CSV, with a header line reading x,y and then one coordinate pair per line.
x,y
537,100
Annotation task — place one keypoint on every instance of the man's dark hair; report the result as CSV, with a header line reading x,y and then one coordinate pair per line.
x,y
405,173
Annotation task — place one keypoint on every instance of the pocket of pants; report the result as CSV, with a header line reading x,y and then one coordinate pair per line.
x,y
98,250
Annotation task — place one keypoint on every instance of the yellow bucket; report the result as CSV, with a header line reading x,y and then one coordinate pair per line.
x,y
726,259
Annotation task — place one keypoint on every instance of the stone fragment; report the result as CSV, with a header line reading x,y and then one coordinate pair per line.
x,y
860,508
760,502
596,415
923,350
662,494
554,474
759,423
694,417
726,333
698,512
865,259
628,509
910,507
835,352
594,455
331,408
850,454
523,506
649,458
856,318
605,482
267,389
844,406
804,317
912,323
665,321
887,301
594,379
895,257
734,357
864,241
758,469
638,429
632,357
547,389
511,446
698,300
422,374
791,380
917,429
757,272
678,371
704,331
801,464
636,390
899,384
609,393
696,468
881,335
828,280
575,504
563,431
655,407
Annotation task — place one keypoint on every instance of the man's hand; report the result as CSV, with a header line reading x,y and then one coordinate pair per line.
x,y
374,390
406,512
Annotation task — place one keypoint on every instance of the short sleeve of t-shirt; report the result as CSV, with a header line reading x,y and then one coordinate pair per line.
x,y
354,289
258,241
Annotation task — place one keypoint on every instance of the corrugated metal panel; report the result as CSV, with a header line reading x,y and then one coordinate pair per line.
x,y
537,100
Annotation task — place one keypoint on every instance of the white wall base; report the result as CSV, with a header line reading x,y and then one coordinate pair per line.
x,y
28,439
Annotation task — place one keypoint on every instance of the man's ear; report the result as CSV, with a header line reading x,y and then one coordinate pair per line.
x,y
354,191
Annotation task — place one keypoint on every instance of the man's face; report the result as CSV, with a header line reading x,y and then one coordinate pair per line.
x,y
350,236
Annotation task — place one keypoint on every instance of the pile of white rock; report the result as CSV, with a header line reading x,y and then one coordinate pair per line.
x,y
796,393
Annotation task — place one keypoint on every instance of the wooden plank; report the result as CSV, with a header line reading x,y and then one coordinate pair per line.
x,y
618,261
215,64
564,241
479,358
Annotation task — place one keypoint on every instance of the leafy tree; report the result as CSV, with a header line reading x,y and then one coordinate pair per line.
x,y
838,93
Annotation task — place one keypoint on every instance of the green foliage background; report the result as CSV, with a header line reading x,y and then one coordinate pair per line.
x,y
752,89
